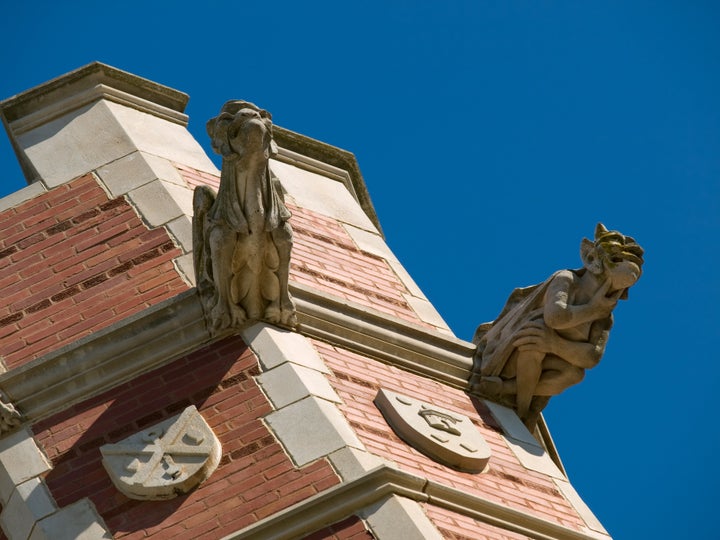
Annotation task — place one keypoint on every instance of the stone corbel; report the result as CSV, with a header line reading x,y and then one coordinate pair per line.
x,y
242,236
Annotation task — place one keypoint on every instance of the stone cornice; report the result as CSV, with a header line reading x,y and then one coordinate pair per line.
x,y
176,326
86,85
388,339
350,498
106,358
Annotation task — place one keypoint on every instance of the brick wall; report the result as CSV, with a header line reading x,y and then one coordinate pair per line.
x,y
351,528
255,477
72,262
455,526
357,380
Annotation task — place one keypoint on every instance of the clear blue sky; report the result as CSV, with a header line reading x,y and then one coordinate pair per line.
x,y
492,137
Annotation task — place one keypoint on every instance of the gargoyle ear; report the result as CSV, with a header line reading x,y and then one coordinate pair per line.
x,y
589,257
600,230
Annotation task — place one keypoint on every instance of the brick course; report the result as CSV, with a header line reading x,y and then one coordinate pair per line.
x,y
352,528
72,262
255,477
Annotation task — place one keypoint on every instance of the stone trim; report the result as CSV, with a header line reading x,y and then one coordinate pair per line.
x,y
352,497
86,85
29,510
120,352
364,330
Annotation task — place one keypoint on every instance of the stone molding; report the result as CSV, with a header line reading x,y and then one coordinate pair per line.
x,y
162,333
352,497
86,85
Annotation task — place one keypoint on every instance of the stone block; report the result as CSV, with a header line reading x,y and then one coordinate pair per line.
x,y
398,517
310,429
582,509
161,202
274,346
288,383
29,503
321,194
127,173
79,521
20,460
181,230
351,463
427,312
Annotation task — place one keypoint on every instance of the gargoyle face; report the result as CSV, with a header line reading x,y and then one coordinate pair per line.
x,y
617,256
241,128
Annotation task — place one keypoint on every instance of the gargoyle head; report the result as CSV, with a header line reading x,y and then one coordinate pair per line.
x,y
241,128
618,257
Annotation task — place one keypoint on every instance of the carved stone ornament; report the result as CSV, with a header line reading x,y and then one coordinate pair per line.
x,y
549,334
447,437
241,236
10,418
166,460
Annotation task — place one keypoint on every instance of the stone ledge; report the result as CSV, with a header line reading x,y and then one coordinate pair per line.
x,y
349,498
107,358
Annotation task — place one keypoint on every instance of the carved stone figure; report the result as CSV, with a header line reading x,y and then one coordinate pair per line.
x,y
241,237
166,460
549,334
10,418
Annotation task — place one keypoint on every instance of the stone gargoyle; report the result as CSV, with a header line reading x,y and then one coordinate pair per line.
x,y
242,238
549,334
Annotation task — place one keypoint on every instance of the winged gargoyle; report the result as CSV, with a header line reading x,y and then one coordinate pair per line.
x,y
241,236
549,334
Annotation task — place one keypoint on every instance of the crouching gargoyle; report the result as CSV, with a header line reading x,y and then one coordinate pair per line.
x,y
241,237
549,334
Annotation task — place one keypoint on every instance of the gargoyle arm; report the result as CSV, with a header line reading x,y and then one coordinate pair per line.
x,y
560,314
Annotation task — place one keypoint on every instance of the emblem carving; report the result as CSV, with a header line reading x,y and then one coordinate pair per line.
x,y
447,437
169,459
242,237
549,334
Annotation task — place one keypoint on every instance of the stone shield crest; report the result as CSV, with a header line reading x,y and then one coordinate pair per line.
x,y
166,460
445,436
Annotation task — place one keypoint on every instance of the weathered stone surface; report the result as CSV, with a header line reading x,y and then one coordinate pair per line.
x,y
79,521
166,460
10,418
398,517
289,383
29,503
242,238
445,436
312,428
20,460
549,334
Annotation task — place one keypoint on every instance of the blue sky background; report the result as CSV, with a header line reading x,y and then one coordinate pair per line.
x,y
492,137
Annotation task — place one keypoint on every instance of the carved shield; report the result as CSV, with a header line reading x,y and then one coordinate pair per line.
x,y
445,436
166,460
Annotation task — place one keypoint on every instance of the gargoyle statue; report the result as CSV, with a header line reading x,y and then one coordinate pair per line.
x,y
549,334
241,237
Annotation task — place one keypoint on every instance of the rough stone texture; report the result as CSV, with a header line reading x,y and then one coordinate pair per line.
x,y
78,521
165,460
548,335
445,436
290,383
20,460
321,194
397,517
310,429
274,346
29,503
241,235
135,170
